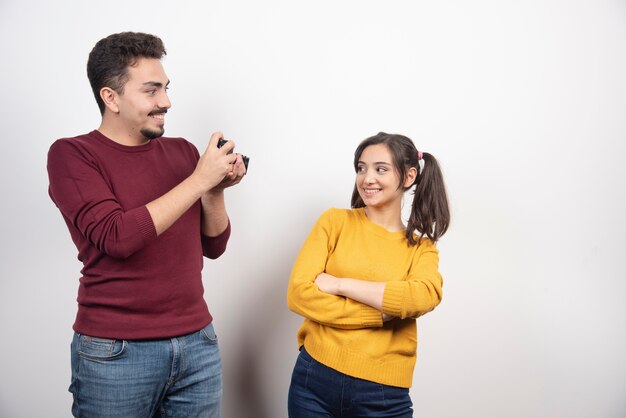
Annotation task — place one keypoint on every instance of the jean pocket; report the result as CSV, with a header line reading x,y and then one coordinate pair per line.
x,y
305,357
95,348
208,333
397,397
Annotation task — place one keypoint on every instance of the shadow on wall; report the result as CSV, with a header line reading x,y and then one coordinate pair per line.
x,y
267,350
248,380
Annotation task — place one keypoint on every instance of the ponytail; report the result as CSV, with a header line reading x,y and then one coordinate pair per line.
x,y
430,215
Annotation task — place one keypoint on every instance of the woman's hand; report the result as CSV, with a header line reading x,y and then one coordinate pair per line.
x,y
387,317
328,284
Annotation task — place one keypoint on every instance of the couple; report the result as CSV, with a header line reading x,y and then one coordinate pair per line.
x,y
143,211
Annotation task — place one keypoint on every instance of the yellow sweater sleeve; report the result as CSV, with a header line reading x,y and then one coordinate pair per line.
x,y
303,295
421,292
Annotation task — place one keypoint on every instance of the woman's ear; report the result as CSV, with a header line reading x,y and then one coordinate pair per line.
x,y
109,97
411,175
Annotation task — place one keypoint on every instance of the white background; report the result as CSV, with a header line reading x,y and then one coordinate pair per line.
x,y
523,103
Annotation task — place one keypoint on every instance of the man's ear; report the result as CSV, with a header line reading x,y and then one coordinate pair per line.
x,y
411,175
109,97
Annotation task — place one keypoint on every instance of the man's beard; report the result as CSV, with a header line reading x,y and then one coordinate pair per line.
x,y
151,134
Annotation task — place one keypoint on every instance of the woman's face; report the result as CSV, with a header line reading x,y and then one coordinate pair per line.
x,y
377,179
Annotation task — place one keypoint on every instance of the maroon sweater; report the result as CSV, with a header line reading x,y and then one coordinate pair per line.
x,y
134,285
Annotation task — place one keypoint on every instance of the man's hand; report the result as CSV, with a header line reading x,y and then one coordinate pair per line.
x,y
238,170
217,166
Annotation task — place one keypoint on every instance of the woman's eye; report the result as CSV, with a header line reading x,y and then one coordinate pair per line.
x,y
381,169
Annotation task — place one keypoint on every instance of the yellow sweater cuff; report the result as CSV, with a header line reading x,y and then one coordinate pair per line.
x,y
393,299
372,318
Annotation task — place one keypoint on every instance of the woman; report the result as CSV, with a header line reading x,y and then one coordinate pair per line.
x,y
360,281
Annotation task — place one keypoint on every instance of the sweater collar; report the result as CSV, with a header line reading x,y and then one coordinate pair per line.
x,y
377,229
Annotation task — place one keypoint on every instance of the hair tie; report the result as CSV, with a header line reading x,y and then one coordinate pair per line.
x,y
419,155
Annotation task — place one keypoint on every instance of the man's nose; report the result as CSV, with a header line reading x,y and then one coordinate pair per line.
x,y
164,101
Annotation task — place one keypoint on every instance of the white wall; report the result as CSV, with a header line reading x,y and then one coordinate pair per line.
x,y
524,103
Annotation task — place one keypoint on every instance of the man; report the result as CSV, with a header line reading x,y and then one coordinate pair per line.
x,y
142,210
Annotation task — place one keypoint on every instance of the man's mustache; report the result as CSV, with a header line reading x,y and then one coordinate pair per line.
x,y
158,111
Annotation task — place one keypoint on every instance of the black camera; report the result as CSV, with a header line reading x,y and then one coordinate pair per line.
x,y
245,159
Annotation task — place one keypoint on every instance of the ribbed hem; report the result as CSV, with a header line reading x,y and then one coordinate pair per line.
x,y
138,327
393,298
371,317
146,225
213,247
393,370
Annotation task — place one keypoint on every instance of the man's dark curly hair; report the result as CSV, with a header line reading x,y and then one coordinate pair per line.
x,y
110,58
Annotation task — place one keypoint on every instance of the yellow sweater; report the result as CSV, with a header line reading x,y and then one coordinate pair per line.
x,y
347,335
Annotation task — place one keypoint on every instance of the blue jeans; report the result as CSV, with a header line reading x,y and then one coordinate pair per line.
x,y
319,391
174,377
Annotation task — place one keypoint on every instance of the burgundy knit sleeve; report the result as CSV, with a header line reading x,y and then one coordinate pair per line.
x,y
213,247
85,199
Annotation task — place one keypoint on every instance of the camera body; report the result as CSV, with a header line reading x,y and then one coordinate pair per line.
x,y
220,144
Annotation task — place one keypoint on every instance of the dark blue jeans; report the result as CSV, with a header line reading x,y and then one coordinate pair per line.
x,y
174,377
319,391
